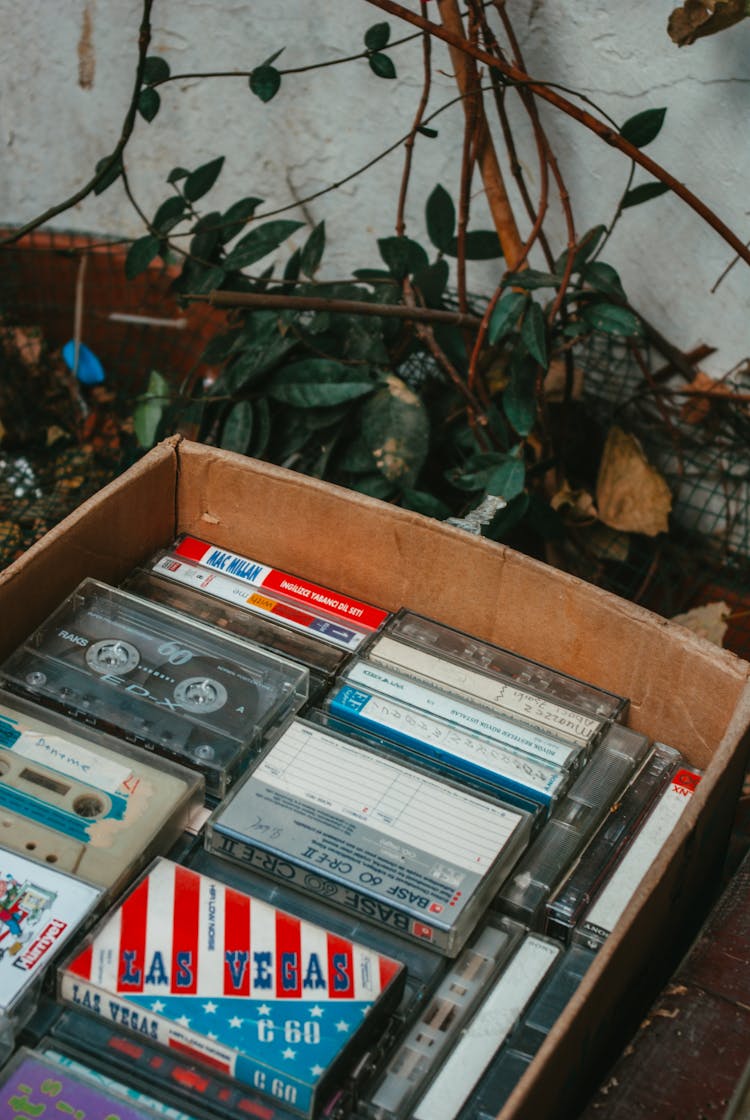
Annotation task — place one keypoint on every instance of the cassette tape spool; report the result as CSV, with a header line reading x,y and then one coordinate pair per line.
x,y
439,1026
617,831
83,801
602,916
371,834
200,602
536,875
266,1000
156,678
34,1084
504,1003
41,909
484,656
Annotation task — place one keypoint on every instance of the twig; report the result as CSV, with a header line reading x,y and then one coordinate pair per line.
x,y
144,38
604,131
409,142
340,306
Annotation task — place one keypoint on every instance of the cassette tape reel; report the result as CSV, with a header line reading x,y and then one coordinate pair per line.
x,y
157,678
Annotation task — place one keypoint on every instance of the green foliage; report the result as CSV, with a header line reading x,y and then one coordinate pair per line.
x,y
642,193
382,65
265,82
644,127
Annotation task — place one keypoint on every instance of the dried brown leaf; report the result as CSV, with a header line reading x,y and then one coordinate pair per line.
x,y
577,504
696,409
697,18
709,621
554,382
631,495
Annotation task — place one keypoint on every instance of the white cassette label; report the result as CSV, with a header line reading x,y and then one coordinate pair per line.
x,y
488,1030
74,761
401,803
493,690
473,719
656,830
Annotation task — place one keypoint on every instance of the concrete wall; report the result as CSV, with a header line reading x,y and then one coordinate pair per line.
x,y
66,71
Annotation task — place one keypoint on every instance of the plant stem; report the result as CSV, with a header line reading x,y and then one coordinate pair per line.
x,y
341,306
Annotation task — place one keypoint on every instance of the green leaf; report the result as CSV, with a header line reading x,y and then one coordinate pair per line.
x,y
402,255
140,255
312,252
265,82
110,177
425,131
291,268
148,103
259,242
505,316
382,65
603,278
176,174
264,347
377,36
476,471
643,127
531,279
507,518
441,218
610,319
432,282
237,216
519,398
643,193
480,245
319,383
534,333
200,181
261,428
169,214
238,426
374,486
221,346
149,409
583,250
396,429
507,480
206,236
427,504
155,69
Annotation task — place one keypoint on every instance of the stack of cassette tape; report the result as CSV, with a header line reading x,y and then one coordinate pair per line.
x,y
269,850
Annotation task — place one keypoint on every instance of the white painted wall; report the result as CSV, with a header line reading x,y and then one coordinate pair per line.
x,y
324,125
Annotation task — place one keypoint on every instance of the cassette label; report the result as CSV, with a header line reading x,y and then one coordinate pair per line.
x,y
36,1086
158,679
234,591
488,1029
101,810
519,703
512,735
601,918
78,1069
461,751
271,579
375,836
268,999
40,909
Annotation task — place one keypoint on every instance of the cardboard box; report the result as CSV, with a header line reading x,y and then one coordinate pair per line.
x,y
683,690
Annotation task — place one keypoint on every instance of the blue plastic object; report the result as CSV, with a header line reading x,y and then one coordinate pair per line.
x,y
90,369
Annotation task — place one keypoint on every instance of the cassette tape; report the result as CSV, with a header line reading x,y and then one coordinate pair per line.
x,y
521,705
602,916
323,601
321,659
608,844
510,1063
459,754
155,678
432,762
41,909
536,875
474,653
86,802
268,1000
34,1084
504,1003
372,834
439,1026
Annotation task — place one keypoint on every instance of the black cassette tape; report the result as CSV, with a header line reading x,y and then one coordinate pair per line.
x,y
158,679
220,601
84,801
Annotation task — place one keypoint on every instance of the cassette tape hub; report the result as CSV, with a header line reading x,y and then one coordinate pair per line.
x,y
158,679
84,801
